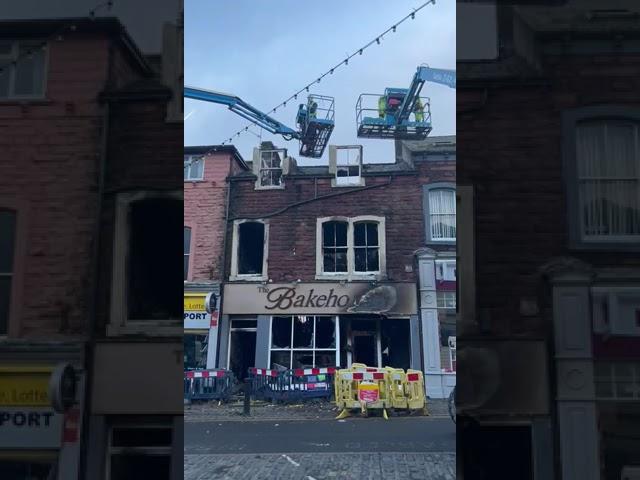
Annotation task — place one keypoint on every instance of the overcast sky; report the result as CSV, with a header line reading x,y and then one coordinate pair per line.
x,y
264,51
142,18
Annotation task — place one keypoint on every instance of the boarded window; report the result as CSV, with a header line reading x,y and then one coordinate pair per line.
x,y
334,246
250,248
7,247
152,261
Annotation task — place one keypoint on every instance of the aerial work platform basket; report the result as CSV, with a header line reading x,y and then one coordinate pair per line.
x,y
315,121
379,116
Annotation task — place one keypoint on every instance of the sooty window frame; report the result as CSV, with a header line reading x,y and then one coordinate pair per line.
x,y
235,260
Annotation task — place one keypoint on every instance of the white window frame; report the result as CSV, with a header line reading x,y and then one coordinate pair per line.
x,y
351,273
119,323
571,120
15,49
259,169
336,323
189,159
604,124
448,268
335,165
428,213
235,276
443,298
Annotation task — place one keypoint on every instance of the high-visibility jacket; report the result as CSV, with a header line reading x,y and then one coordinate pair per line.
x,y
418,110
382,105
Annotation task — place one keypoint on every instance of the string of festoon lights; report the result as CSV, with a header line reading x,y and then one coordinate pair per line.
x,y
57,35
376,41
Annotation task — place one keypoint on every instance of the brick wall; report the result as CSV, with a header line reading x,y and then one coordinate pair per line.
x,y
49,162
510,146
292,234
204,210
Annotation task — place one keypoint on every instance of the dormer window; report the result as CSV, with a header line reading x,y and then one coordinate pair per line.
x,y
345,162
269,166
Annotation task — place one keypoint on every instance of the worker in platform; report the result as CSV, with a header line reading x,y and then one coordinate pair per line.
x,y
301,117
418,110
382,105
313,108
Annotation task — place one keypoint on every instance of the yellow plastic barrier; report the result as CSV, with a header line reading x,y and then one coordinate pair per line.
x,y
414,391
397,388
361,389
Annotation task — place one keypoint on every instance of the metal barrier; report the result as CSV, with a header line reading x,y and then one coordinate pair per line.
x,y
208,385
291,385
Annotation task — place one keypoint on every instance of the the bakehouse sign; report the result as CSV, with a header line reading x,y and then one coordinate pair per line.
x,y
319,298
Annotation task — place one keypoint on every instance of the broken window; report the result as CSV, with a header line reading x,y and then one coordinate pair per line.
x,y
334,246
187,250
303,341
270,168
7,245
250,248
365,245
352,246
152,261
348,161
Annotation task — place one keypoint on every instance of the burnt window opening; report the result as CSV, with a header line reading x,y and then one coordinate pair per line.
x,y
153,266
366,247
250,248
7,247
334,246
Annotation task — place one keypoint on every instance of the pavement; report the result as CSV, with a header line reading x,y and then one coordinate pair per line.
x,y
265,411
265,447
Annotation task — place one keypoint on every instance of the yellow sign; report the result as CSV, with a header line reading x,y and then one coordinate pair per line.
x,y
194,303
24,386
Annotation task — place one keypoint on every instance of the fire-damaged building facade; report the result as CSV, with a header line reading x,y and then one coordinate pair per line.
x,y
321,263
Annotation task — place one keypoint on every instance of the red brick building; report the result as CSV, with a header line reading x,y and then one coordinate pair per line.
x,y
206,169
90,134
321,266
549,216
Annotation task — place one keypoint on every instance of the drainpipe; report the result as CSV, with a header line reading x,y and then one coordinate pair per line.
x,y
223,268
93,295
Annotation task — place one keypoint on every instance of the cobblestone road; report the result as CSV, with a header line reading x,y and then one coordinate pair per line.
x,y
321,466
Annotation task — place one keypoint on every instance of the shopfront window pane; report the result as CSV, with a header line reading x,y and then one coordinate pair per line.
x,y
325,359
624,380
281,332
303,332
141,437
325,332
32,470
281,359
302,359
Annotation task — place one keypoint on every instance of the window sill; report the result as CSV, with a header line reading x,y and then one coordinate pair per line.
x,y
151,328
270,187
630,245
350,276
247,278
196,180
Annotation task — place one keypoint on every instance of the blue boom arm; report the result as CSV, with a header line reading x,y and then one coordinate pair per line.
x,y
242,108
422,75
